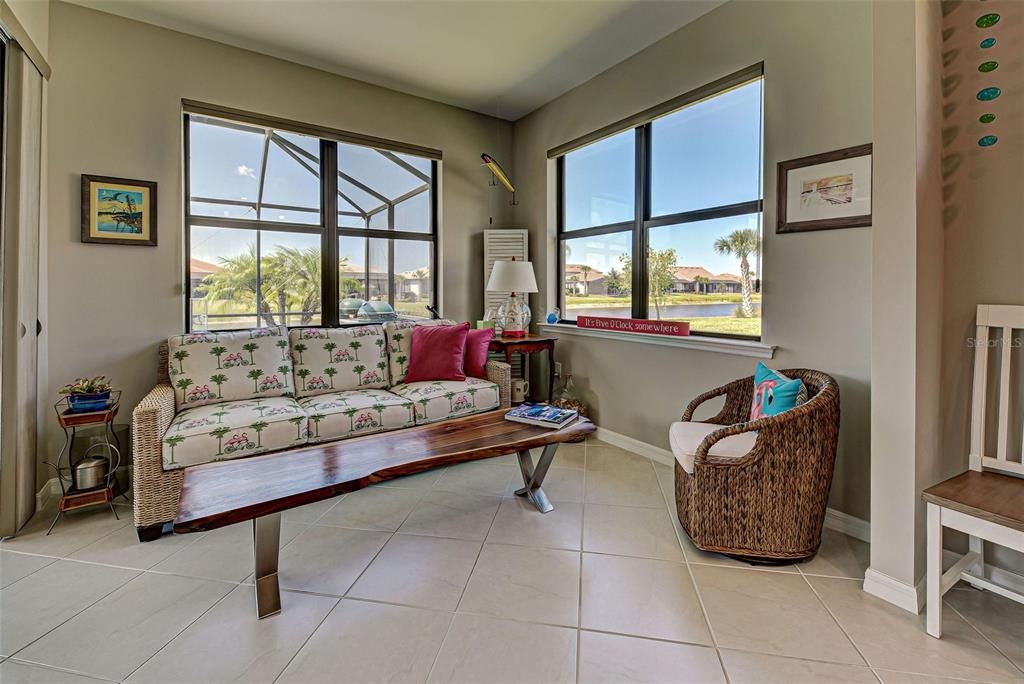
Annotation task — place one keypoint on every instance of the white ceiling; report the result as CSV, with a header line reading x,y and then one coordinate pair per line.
x,y
500,57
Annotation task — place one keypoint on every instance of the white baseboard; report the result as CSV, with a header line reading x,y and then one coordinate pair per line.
x,y
848,525
906,596
50,491
836,520
663,456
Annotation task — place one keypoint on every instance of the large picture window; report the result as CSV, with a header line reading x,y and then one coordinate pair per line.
x,y
662,218
296,229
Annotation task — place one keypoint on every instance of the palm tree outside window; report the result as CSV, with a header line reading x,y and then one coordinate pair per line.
x,y
287,228
662,220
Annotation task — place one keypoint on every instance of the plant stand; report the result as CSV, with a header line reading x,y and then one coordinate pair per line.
x,y
73,497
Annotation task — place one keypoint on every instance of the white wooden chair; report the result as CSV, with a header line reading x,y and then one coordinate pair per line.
x,y
987,501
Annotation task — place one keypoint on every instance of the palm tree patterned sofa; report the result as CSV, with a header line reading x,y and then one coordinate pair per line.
x,y
224,395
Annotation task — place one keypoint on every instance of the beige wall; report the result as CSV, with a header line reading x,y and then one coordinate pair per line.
x,y
818,97
115,109
34,17
983,206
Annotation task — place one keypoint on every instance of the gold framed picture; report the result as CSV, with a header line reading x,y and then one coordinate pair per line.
x,y
118,211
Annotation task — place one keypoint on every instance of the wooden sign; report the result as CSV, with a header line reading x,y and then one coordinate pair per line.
x,y
635,325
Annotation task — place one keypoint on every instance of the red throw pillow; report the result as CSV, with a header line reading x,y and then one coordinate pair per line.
x,y
437,353
477,344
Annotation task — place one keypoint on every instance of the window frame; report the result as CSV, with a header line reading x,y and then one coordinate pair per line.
x,y
328,228
643,222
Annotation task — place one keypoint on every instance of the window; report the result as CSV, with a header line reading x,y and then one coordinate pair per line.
x,y
680,185
269,210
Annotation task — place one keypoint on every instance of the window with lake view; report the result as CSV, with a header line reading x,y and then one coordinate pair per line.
x,y
662,220
302,230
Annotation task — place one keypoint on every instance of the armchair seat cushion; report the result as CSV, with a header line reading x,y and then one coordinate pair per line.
x,y
355,412
443,399
685,437
233,429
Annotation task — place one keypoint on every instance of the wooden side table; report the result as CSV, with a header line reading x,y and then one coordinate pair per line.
x,y
73,497
527,345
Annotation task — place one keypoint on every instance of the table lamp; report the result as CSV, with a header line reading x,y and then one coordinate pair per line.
x,y
513,277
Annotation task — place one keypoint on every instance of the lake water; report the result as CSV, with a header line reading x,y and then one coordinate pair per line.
x,y
670,311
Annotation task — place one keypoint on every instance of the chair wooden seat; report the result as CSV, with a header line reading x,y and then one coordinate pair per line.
x,y
989,496
987,502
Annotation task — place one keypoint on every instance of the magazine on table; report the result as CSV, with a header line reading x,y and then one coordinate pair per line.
x,y
543,415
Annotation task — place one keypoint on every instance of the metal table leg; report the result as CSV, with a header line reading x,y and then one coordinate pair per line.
x,y
533,478
266,539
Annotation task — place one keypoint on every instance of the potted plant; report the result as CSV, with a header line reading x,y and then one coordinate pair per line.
x,y
88,394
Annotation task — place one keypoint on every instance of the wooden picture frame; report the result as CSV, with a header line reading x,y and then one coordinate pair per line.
x,y
118,211
830,197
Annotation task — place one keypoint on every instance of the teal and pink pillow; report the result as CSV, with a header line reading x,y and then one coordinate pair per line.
x,y
775,393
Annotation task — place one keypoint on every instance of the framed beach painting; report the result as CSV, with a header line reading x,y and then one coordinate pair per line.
x,y
118,211
825,191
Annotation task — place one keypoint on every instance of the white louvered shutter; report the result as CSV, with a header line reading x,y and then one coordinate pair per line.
x,y
501,244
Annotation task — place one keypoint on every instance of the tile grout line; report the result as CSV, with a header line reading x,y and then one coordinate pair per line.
x,y
305,641
358,577
64,622
54,668
469,578
693,580
834,618
181,631
579,594
970,624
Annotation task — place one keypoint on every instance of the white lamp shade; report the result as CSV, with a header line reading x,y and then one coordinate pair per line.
x,y
512,276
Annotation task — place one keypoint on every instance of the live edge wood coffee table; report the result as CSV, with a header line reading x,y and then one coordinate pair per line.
x,y
260,488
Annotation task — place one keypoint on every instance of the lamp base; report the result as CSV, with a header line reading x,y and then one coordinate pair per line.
x,y
513,333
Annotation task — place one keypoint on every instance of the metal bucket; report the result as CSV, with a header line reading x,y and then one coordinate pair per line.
x,y
91,472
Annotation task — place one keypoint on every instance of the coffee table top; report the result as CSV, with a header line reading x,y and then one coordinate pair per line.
x,y
226,492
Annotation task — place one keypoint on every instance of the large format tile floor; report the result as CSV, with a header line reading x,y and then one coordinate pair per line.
x,y
447,577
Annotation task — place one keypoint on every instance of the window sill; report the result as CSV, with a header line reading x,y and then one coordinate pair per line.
x,y
721,345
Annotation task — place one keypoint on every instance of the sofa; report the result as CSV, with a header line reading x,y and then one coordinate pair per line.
x,y
226,395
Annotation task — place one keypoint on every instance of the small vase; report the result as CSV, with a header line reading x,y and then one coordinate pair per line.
x,y
86,403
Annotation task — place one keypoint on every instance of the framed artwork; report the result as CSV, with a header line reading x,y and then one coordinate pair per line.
x,y
118,211
825,191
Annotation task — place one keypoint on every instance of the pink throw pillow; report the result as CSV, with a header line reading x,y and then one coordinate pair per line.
x,y
437,353
477,344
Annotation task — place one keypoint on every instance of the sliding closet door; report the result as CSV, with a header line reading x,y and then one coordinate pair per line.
x,y
19,260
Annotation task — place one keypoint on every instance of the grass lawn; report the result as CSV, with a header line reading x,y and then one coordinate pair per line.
x,y
726,325
681,298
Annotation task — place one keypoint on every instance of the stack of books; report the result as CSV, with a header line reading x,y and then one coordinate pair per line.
x,y
543,415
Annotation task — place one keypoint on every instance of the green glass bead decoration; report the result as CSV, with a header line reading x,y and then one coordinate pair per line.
x,y
987,118
987,20
988,141
987,43
986,67
986,94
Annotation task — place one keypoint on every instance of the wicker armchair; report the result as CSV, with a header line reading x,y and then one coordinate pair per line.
x,y
769,504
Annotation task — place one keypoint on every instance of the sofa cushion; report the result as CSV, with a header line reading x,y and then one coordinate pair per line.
x,y
338,359
232,429
684,438
211,367
399,335
443,399
338,415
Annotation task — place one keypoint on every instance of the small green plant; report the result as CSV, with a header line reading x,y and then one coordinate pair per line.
x,y
100,383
